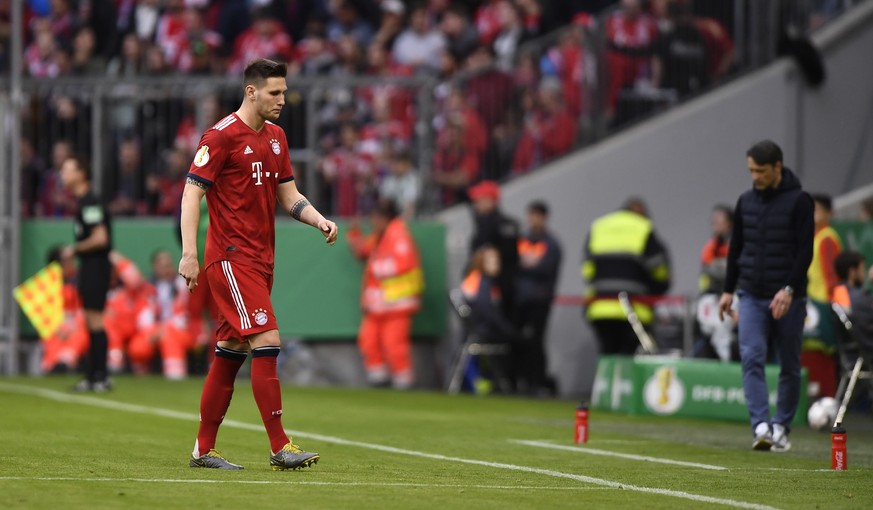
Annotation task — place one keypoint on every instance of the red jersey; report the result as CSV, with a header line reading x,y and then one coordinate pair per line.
x,y
243,169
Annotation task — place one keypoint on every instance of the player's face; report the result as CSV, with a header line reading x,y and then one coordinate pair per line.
x,y
270,98
764,176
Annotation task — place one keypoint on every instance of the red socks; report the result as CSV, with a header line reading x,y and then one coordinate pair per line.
x,y
268,395
217,392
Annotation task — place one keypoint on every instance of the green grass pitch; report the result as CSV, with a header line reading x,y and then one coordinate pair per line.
x,y
389,450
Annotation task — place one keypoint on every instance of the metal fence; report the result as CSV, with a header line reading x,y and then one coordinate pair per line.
x,y
496,119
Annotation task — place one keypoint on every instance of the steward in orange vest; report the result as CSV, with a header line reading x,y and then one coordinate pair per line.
x,y
392,287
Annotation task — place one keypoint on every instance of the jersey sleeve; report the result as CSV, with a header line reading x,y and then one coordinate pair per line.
x,y
94,213
209,159
286,171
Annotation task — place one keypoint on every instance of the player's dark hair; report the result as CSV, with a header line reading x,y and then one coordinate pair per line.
x,y
765,152
845,261
257,72
82,164
824,200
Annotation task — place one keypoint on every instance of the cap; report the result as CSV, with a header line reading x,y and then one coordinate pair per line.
x,y
394,7
485,189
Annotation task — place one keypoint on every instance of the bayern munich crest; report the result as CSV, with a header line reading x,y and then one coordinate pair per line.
x,y
260,316
275,145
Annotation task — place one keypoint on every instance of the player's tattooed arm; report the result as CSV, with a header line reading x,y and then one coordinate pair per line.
x,y
199,184
297,208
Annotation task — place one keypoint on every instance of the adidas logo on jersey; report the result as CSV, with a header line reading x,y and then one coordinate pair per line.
x,y
248,150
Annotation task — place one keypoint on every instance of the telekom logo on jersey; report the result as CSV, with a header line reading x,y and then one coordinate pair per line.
x,y
257,173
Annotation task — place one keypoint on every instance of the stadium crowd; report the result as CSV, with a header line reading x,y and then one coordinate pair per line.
x,y
502,107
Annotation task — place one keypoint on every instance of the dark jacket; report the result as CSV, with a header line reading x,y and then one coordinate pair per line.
x,y
536,284
771,244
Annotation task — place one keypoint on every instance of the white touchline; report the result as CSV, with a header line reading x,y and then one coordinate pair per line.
x,y
294,482
167,413
630,456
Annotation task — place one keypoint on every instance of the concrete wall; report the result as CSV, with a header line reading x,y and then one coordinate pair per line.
x,y
689,159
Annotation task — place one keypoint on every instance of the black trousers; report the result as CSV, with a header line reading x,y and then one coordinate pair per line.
x,y
529,362
615,336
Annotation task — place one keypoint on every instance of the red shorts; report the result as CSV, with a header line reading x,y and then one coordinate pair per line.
x,y
242,297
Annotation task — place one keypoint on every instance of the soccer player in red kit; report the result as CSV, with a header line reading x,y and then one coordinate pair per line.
x,y
243,163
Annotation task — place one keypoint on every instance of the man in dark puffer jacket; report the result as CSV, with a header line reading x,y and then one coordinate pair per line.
x,y
770,252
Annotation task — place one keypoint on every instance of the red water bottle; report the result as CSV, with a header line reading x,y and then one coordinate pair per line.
x,y
839,459
581,435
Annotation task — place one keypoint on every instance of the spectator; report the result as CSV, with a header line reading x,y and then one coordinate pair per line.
x,y
511,34
419,46
101,16
456,165
347,22
234,18
54,200
384,133
197,47
391,295
144,19
720,52
349,58
33,171
63,20
164,188
155,62
531,14
680,59
170,29
539,262
85,62
391,25
623,254
265,39
630,35
461,37
819,344
493,228
489,90
346,174
549,131
40,55
488,21
127,200
475,133
569,62
316,57
339,110
403,185
399,98
131,61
